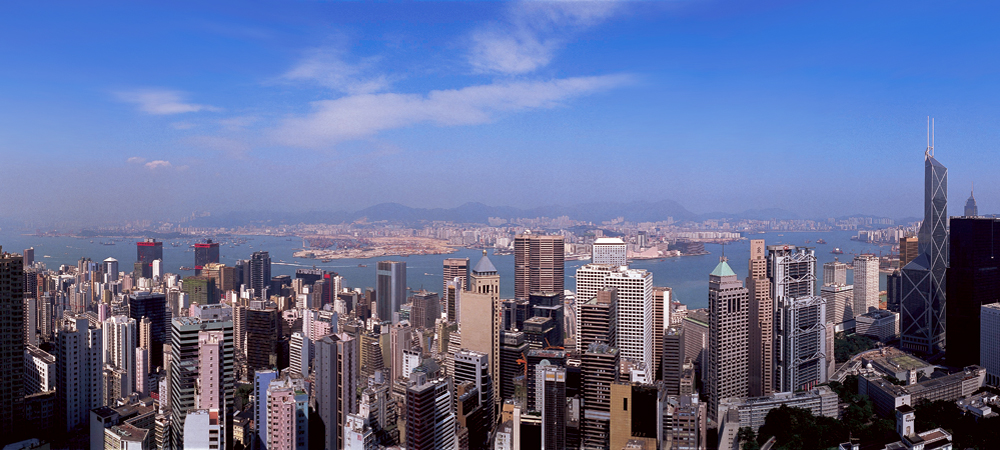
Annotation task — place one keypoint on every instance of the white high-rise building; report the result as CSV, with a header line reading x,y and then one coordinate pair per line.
x,y
120,341
865,283
79,372
989,342
110,270
611,251
635,307
300,353
204,429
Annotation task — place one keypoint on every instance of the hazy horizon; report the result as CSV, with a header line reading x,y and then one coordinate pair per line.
x,y
127,111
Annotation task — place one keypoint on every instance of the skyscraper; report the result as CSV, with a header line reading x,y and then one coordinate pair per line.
x,y
426,309
538,264
336,385
923,285
760,323
110,270
553,408
474,367
154,307
430,422
193,382
480,318
287,414
456,268
262,335
971,210
600,371
801,335
865,283
390,288
79,384
728,349
661,321
148,251
11,341
835,273
909,248
120,342
635,307
973,281
597,318
989,342
205,253
259,274
611,251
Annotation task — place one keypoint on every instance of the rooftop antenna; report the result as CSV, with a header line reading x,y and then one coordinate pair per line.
x,y
723,257
932,136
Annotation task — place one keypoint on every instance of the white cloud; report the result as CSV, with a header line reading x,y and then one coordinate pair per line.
x,y
161,102
532,33
158,164
136,160
327,68
360,116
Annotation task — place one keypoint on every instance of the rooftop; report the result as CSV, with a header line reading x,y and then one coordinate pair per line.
x,y
723,270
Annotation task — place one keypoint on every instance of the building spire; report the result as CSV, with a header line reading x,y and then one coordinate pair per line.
x,y
930,138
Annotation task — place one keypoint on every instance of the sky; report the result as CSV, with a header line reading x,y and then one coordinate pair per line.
x,y
120,111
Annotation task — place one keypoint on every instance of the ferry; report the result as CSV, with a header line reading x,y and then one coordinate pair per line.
x,y
820,241
837,251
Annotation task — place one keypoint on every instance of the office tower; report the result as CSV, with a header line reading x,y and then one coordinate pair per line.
x,y
834,273
299,354
513,313
972,283
635,308
761,321
258,274
204,429
224,277
30,320
634,416
336,385
553,408
538,264
287,414
672,359
599,369
11,340
474,367
29,257
909,248
39,370
473,425
610,251
685,427
79,372
971,210
201,290
537,360
801,347
400,340
541,333
110,270
142,372
893,290
154,307
120,342
262,335
430,422
426,309
839,305
261,382
452,298
390,288
924,288
146,252
201,377
205,253
480,318
597,318
456,268
989,342
512,348
865,283
661,321
728,358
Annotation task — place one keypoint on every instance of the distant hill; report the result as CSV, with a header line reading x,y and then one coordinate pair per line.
x,y
754,214
472,212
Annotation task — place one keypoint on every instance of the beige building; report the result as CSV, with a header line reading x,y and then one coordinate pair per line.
x,y
760,322
728,348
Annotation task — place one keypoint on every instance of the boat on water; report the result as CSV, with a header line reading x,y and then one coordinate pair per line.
x,y
820,241
362,265
837,251
187,268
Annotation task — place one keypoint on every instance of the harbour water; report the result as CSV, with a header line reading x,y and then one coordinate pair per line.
x,y
687,275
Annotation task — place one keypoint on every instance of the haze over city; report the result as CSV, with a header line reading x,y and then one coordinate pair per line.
x,y
816,108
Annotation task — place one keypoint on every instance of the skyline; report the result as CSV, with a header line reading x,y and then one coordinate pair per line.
x,y
213,108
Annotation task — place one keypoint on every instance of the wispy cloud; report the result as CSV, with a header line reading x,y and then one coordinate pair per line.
x,y
158,164
161,102
328,68
359,116
532,33
136,160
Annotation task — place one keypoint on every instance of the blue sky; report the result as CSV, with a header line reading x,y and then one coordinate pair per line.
x,y
127,110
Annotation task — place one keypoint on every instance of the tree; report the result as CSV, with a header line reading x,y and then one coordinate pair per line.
x,y
748,439
797,428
